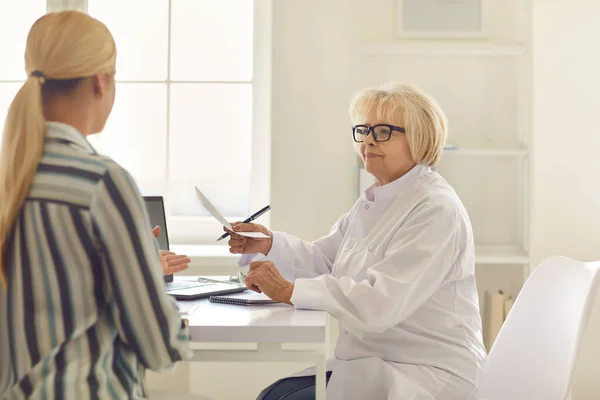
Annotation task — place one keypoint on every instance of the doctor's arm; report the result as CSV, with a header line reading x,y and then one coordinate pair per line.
x,y
416,263
297,258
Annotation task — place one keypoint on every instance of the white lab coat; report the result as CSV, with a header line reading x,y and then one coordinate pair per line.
x,y
397,272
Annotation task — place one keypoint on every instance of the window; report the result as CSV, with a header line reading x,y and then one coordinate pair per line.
x,y
193,83
16,17
189,109
186,107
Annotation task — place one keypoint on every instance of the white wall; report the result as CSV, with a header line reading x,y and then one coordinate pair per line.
x,y
313,176
566,161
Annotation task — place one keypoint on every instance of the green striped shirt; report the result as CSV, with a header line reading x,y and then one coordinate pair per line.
x,y
85,309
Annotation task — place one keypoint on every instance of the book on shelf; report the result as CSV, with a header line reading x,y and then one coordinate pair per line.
x,y
493,317
508,303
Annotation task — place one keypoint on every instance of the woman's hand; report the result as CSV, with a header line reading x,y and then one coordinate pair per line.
x,y
245,245
171,262
264,277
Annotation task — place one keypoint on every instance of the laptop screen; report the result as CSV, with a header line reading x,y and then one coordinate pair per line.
x,y
156,212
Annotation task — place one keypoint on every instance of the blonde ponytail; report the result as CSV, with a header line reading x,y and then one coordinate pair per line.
x,y
22,145
64,45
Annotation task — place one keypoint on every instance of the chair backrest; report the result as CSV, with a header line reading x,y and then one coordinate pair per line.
x,y
535,352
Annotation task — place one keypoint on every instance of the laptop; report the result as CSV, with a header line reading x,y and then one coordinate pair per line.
x,y
189,287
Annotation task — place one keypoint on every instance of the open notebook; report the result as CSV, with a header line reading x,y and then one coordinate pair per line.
x,y
246,299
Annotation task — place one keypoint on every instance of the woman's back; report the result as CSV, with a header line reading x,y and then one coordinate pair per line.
x,y
83,310
81,316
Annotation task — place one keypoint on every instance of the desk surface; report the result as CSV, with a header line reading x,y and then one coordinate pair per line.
x,y
280,323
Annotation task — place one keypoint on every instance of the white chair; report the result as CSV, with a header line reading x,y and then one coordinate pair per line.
x,y
535,352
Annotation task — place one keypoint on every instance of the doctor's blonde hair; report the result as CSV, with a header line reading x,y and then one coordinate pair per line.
x,y
424,121
61,49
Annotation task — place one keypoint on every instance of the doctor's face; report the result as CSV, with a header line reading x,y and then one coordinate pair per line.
x,y
383,147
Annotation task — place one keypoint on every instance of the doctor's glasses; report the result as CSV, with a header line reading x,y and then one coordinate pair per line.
x,y
381,132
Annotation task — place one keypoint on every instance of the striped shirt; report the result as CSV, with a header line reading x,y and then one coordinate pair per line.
x,y
85,310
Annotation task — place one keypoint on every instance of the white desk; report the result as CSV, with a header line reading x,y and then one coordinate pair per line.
x,y
269,326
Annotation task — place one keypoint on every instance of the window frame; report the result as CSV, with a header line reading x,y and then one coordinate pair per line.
x,y
205,230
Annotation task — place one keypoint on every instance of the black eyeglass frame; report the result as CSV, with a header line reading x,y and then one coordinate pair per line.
x,y
372,129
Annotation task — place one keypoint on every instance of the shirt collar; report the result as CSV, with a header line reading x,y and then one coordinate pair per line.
x,y
376,193
66,133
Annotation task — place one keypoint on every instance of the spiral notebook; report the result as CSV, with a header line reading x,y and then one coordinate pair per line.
x,y
244,300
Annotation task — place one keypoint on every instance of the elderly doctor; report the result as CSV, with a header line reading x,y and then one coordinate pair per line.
x,y
397,271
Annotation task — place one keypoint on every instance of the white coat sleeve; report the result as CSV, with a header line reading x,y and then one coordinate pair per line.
x,y
415,264
297,258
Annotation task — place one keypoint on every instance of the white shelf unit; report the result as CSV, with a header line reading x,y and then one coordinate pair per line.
x,y
500,255
444,47
484,87
486,152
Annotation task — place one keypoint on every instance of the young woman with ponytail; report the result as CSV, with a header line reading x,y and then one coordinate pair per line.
x,y
83,309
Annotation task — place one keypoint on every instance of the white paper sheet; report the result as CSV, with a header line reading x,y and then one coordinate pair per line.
x,y
219,217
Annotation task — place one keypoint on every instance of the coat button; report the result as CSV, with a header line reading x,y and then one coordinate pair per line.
x,y
346,332
367,206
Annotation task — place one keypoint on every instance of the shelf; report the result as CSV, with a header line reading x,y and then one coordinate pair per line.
x,y
488,152
475,151
444,48
501,255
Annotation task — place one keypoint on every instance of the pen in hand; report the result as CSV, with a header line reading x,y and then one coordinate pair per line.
x,y
249,219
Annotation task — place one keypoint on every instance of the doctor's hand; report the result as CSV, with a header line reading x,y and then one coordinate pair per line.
x,y
244,245
264,277
169,261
